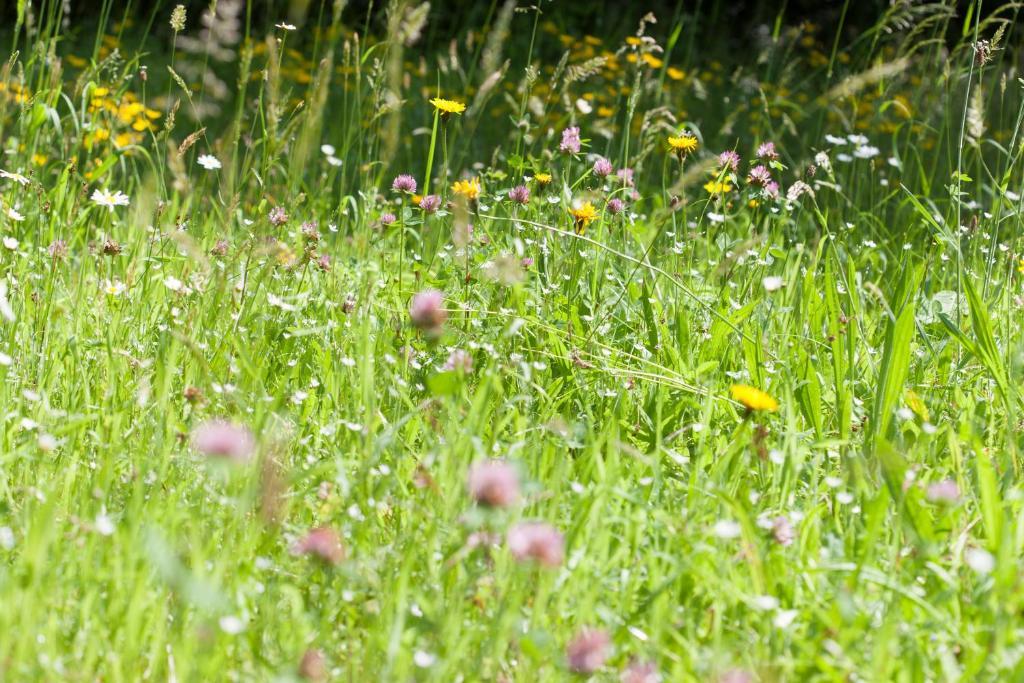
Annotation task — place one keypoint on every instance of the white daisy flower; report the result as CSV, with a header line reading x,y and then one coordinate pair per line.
x,y
285,27
327,149
16,177
209,162
110,199
10,243
14,215
114,288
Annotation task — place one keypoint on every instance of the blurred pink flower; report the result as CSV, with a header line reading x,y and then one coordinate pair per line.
x,y
570,140
615,205
588,650
494,483
427,310
767,151
460,361
430,203
640,672
536,541
729,160
322,543
602,168
945,491
224,439
520,194
387,219
278,216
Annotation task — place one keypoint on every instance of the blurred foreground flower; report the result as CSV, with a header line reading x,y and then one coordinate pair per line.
x,y
494,483
322,543
753,399
224,439
427,311
536,541
588,651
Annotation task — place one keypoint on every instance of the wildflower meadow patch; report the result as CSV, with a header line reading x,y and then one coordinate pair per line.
x,y
511,341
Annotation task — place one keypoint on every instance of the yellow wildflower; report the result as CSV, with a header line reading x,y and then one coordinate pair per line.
x,y
470,189
448,106
651,60
584,216
753,399
674,73
542,178
717,186
683,144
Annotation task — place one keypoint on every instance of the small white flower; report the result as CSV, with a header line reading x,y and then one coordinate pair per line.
x,y
6,538
10,243
110,199
46,442
766,602
584,106
980,560
14,215
172,283
209,162
865,152
327,149
835,140
104,525
5,306
726,528
772,283
858,139
285,27
5,359
715,217
785,618
231,624
423,659
114,288
333,160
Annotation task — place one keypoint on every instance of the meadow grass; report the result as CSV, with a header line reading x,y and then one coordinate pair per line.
x,y
668,361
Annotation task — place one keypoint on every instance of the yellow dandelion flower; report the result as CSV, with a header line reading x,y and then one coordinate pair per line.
x,y
448,106
675,74
141,124
651,60
605,112
38,159
632,40
542,178
470,189
584,216
753,399
683,144
100,92
1020,266
717,186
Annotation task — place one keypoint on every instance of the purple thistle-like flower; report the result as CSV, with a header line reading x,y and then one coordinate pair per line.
x,y
427,310
588,650
759,175
730,160
570,140
494,483
536,541
430,203
602,168
520,194
626,176
771,190
615,205
278,216
766,150
404,183
324,262
223,439
387,219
